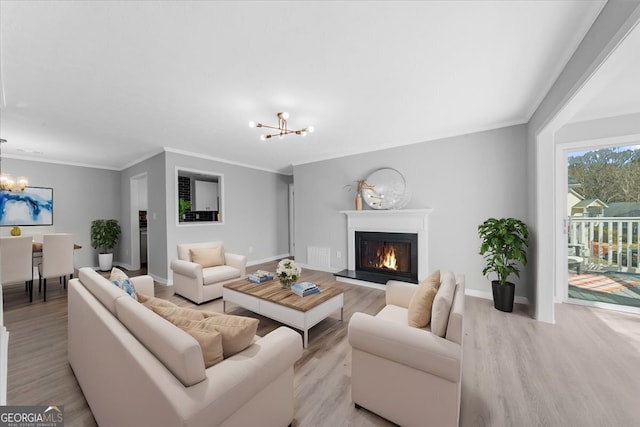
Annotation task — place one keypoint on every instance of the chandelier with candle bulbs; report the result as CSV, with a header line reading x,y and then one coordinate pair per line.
x,y
7,183
282,128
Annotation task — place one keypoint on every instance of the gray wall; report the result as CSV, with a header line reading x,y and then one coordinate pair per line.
x,y
255,210
80,195
464,179
154,168
615,20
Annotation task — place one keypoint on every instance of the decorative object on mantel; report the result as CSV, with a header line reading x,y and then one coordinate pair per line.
x,y
15,231
503,244
282,128
288,272
7,183
359,185
385,189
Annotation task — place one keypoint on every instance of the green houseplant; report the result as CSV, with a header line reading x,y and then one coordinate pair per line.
x,y
504,244
183,206
105,234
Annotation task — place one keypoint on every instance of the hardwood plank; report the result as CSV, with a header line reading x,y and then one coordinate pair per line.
x,y
583,371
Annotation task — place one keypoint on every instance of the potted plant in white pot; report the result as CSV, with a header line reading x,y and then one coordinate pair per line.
x,y
504,243
105,234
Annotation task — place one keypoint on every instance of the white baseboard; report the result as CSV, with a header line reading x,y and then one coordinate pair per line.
x,y
489,296
160,280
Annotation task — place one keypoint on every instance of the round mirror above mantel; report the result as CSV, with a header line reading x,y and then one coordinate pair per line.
x,y
384,189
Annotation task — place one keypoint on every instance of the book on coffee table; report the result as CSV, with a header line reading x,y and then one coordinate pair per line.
x,y
304,289
260,276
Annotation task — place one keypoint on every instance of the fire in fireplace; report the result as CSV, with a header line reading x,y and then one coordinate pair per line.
x,y
388,255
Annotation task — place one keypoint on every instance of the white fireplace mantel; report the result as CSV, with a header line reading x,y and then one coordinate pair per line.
x,y
390,221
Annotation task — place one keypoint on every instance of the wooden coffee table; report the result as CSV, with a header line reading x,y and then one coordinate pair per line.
x,y
270,300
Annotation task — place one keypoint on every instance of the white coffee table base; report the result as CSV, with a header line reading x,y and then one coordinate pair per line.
x,y
301,320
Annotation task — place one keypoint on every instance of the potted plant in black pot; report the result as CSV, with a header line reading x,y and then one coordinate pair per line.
x,y
105,234
504,243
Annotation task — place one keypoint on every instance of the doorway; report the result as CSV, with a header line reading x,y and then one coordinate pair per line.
x,y
603,226
138,222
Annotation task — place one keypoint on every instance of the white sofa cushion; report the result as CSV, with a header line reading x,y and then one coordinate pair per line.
x,y
218,274
177,350
442,304
393,313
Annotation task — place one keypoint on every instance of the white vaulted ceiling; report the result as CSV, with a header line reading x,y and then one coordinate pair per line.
x,y
107,83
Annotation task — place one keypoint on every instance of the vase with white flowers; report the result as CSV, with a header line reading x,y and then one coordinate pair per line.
x,y
288,272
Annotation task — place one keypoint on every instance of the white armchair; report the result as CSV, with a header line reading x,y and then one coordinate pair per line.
x,y
408,375
201,283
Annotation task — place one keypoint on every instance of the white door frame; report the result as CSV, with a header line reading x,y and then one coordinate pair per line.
x,y
292,228
134,185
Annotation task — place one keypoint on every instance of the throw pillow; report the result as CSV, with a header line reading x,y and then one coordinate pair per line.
x,y
126,286
117,274
187,319
419,312
149,302
210,343
208,257
179,316
237,332
442,304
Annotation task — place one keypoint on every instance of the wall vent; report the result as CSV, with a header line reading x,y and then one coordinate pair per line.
x,y
318,257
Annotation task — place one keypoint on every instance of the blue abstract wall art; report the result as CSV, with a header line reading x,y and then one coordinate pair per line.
x,y
33,206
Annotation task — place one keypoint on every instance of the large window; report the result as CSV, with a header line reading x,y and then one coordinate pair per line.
x,y
199,196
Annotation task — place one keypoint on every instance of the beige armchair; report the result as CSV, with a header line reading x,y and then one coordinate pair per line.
x,y
408,375
202,268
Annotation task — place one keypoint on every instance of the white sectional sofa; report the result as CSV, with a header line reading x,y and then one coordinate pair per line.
x,y
135,368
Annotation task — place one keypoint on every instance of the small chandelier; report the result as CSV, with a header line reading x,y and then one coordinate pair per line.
x,y
282,128
7,183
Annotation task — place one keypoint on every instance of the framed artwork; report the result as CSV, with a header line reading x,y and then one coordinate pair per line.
x,y
33,206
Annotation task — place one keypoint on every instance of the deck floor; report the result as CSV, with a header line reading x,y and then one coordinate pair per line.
x,y
607,287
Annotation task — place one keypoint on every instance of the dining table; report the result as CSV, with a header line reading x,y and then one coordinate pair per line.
x,y
37,248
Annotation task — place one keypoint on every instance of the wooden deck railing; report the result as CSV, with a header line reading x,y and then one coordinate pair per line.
x,y
606,242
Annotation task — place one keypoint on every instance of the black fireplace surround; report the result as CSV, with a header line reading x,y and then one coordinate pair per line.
x,y
383,256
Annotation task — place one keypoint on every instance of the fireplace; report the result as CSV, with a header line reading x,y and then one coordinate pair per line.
x,y
394,231
387,255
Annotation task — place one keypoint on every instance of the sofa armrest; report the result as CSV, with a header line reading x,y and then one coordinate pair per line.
x,y
143,284
277,350
409,346
187,269
399,293
237,261
237,379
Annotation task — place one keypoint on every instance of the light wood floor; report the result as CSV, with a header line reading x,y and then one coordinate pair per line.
x,y
583,371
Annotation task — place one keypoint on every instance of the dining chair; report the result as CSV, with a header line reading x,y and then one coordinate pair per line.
x,y
57,259
15,261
